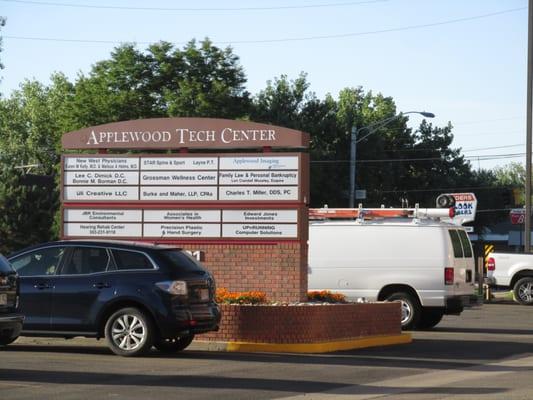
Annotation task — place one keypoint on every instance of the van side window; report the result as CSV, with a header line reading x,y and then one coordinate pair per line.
x,y
466,244
456,243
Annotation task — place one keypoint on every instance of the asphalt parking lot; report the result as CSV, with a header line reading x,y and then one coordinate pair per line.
x,y
486,352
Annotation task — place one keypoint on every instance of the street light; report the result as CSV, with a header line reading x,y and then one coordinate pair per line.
x,y
371,129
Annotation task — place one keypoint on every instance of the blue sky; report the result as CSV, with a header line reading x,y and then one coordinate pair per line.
x,y
463,60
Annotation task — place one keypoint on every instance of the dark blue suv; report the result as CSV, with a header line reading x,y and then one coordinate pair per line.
x,y
10,319
135,295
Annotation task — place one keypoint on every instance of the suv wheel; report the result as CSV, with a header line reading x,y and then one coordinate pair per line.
x,y
173,345
523,291
129,332
411,309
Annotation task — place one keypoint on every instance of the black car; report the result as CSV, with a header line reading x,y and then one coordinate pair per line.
x,y
135,295
10,319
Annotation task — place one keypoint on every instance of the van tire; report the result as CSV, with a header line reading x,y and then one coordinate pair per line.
x,y
523,291
430,319
411,309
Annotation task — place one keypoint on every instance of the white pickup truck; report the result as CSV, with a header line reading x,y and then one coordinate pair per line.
x,y
513,271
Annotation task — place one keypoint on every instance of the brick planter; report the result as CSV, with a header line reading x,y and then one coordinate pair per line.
x,y
306,324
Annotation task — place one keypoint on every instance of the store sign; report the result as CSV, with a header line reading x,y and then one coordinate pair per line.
x,y
465,208
518,216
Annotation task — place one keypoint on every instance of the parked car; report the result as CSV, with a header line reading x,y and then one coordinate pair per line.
x,y
425,264
135,295
10,318
512,271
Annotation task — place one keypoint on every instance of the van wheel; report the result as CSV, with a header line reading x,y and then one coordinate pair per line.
x,y
129,332
5,339
173,345
411,309
430,318
523,291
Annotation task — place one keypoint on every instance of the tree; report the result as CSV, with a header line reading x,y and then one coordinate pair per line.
x,y
199,80
31,123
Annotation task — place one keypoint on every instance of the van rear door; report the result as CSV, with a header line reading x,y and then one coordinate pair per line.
x,y
462,263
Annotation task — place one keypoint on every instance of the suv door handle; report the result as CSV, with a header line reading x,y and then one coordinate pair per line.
x,y
101,285
42,286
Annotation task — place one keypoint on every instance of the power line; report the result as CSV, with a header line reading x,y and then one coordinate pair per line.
x,y
480,158
304,38
303,6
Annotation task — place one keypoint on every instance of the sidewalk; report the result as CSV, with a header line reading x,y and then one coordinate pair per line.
x,y
503,297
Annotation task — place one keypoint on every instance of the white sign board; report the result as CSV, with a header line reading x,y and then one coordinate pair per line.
x,y
74,163
179,193
254,193
179,163
101,193
259,178
179,178
81,229
182,230
95,215
265,216
259,162
260,231
101,178
182,216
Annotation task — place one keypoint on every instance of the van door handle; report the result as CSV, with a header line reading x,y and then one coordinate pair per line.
x,y
42,286
101,285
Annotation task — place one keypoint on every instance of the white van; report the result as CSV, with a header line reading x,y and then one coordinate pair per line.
x,y
426,264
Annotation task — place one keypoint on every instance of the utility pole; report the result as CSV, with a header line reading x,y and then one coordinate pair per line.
x,y
353,149
527,216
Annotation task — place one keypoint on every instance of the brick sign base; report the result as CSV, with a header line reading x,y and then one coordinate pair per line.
x,y
306,324
278,269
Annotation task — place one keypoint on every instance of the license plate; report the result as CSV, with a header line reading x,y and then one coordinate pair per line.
x,y
3,299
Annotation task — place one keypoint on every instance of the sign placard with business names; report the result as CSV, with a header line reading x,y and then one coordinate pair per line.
x,y
268,216
188,230
92,163
182,223
197,216
110,230
101,215
259,230
247,178
179,163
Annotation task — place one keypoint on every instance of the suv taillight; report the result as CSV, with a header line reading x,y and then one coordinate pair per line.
x,y
448,276
491,264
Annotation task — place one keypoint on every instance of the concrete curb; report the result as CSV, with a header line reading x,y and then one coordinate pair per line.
x,y
322,347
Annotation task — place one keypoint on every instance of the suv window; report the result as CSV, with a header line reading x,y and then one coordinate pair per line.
x,y
131,260
456,243
44,261
182,260
86,260
4,265
467,249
